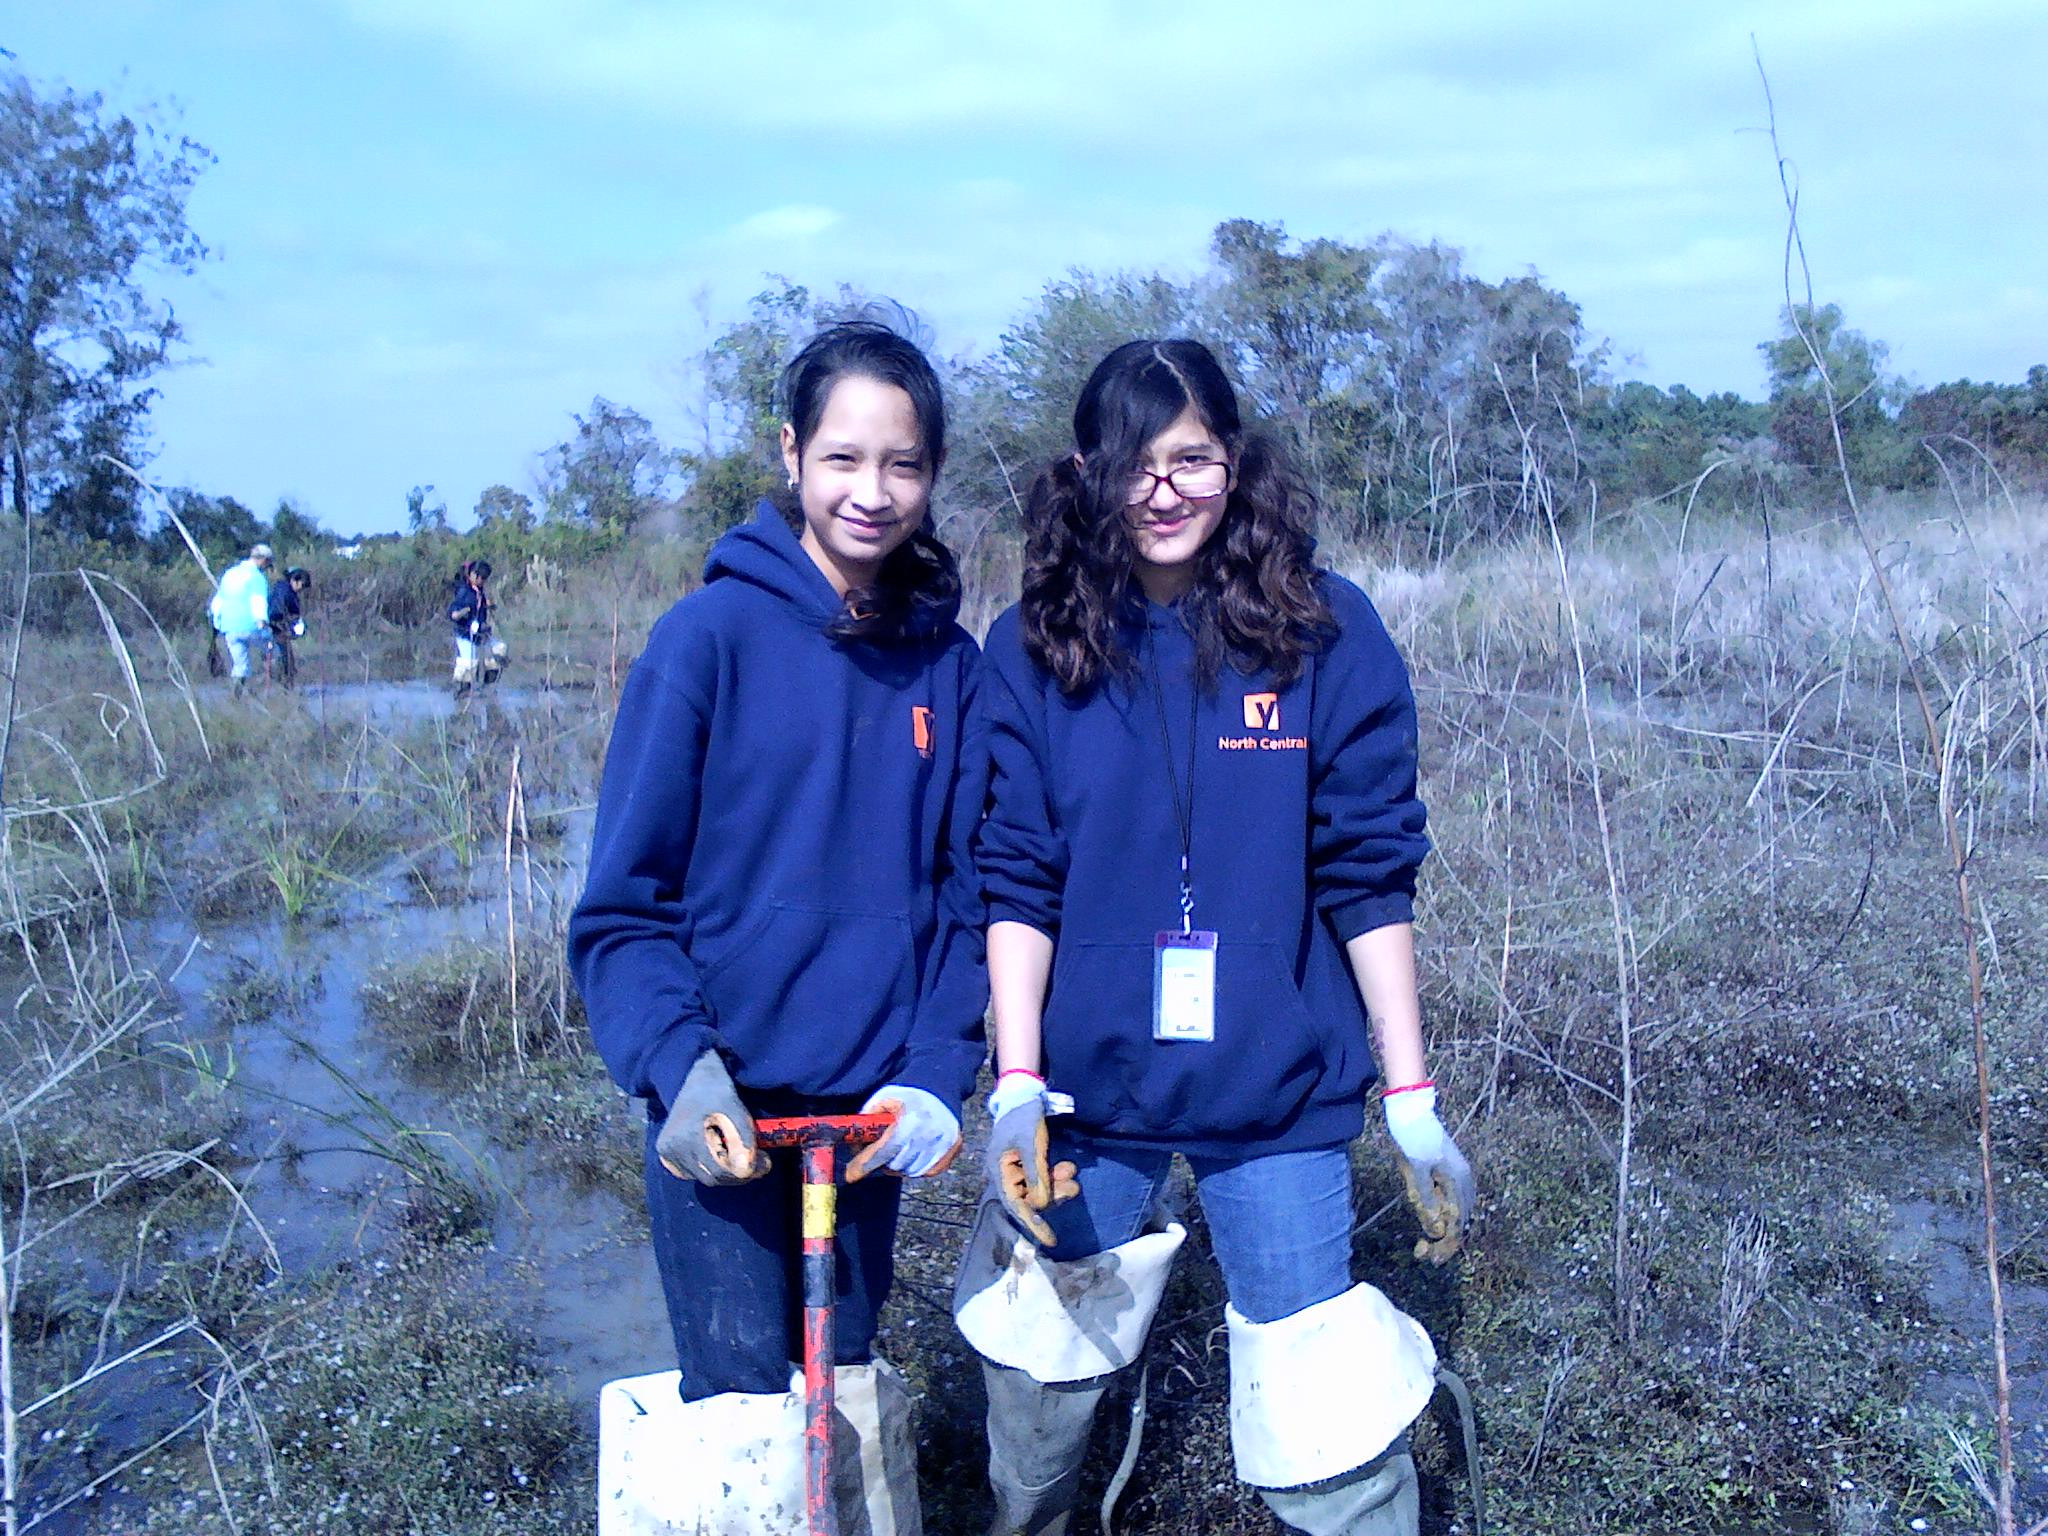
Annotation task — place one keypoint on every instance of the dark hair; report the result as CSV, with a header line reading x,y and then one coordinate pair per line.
x,y
916,592
1254,601
299,573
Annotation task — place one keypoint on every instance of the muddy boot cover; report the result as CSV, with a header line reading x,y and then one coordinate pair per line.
x,y
1379,1499
874,1466
733,1465
1323,1391
1059,1319
1037,1440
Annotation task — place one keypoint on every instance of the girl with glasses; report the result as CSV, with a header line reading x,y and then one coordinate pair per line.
x,y
781,919
1199,861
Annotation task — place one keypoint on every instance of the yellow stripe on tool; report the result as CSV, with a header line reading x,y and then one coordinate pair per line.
x,y
821,1209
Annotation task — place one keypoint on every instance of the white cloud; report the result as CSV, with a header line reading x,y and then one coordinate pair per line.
x,y
502,207
792,221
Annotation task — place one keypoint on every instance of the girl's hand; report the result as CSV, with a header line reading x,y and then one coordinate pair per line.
x,y
923,1141
1439,1180
709,1136
1019,1174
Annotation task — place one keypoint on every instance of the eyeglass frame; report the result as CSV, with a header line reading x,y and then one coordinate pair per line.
x,y
1229,482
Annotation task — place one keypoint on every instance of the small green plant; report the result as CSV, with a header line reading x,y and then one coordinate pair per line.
x,y
303,877
438,786
213,1073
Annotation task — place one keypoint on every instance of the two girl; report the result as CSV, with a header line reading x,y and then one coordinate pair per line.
x,y
1196,870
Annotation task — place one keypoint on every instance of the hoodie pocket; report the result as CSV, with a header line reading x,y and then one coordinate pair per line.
x,y
803,990
1250,1080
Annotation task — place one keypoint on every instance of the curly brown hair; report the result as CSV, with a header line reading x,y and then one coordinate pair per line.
x,y
1254,602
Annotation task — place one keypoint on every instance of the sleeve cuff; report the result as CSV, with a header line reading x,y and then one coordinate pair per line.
x,y
948,1078
1002,910
669,1060
1362,914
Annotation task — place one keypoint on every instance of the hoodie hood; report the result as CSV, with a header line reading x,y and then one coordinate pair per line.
x,y
766,554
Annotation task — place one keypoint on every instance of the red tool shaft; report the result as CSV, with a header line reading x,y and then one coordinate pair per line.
x,y
820,1137
821,1222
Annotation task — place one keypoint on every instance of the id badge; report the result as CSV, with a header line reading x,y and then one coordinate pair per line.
x,y
1184,986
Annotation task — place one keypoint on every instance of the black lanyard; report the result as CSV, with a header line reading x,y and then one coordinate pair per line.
x,y
1183,808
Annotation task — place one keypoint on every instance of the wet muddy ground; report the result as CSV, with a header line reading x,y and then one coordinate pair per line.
x,y
320,1092
323,1088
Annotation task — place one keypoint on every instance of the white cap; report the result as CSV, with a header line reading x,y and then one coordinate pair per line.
x,y
260,552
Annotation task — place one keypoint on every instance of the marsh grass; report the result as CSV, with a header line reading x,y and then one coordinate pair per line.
x,y
398,1404
1801,1066
456,1006
307,873
565,1113
1800,1053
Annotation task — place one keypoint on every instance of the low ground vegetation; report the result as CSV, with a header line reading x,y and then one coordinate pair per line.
x,y
1772,1323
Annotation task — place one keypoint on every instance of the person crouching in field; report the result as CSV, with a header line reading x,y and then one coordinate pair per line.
x,y
781,917
1199,860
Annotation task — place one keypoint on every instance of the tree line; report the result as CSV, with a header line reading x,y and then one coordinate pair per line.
x,y
1421,399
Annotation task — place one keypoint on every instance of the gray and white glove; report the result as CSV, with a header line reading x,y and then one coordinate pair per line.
x,y
708,1135
1020,1174
1439,1180
923,1141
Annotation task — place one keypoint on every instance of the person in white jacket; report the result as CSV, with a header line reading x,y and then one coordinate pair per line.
x,y
240,610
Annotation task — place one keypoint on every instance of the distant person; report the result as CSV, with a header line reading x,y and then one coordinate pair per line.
x,y
287,620
469,611
240,611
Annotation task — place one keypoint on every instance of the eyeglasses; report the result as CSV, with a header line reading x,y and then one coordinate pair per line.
x,y
1191,482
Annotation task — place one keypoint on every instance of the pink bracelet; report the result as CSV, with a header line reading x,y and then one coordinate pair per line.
x,y
1036,1077
1427,1082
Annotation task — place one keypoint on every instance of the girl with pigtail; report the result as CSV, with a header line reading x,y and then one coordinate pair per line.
x,y
1199,862
781,919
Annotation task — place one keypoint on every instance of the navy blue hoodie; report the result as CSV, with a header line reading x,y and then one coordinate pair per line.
x,y
1306,832
781,867
469,609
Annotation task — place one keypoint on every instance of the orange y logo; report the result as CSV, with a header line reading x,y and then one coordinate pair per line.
x,y
1262,711
922,725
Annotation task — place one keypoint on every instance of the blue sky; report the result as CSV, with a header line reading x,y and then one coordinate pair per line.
x,y
442,226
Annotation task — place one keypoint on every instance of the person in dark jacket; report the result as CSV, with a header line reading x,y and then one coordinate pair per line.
x,y
469,615
287,620
1199,864
781,915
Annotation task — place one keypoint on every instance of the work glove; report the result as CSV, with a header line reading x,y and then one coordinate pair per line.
x,y
1019,1174
1439,1179
923,1141
298,626
709,1136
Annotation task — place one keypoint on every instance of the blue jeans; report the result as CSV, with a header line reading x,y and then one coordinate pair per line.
x,y
731,1259
1280,1223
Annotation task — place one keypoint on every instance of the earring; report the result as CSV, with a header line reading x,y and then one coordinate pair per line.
x,y
792,482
